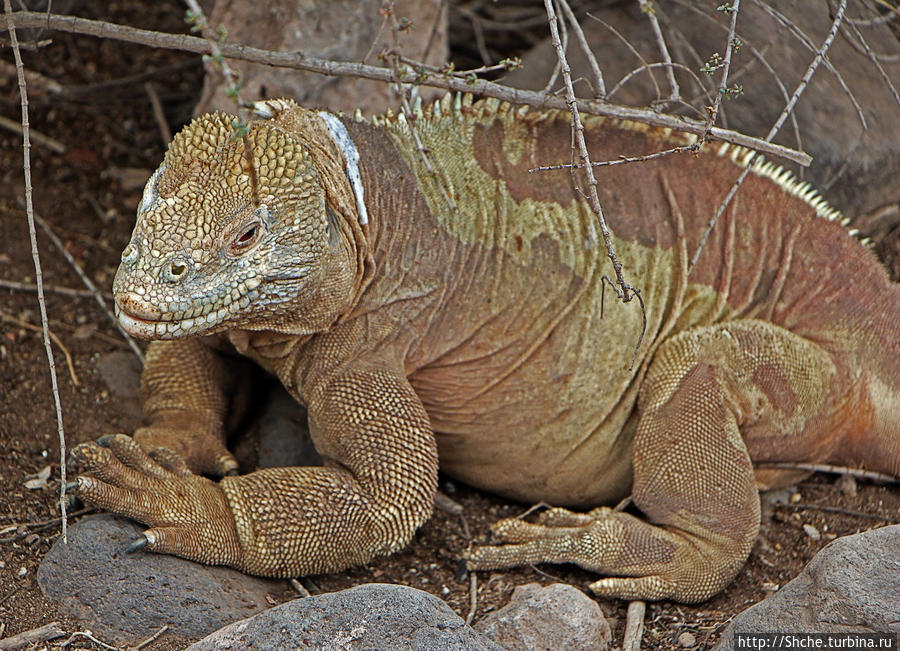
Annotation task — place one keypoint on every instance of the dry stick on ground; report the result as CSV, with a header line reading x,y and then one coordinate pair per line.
x,y
871,475
473,598
624,291
35,635
789,107
634,626
648,8
88,636
89,284
150,640
421,77
38,275
596,74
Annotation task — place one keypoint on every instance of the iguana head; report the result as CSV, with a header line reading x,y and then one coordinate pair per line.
x,y
228,240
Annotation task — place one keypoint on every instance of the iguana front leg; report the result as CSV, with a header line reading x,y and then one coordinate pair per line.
x,y
376,489
185,391
693,478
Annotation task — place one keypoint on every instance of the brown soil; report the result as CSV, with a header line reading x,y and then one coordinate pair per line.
x,y
88,196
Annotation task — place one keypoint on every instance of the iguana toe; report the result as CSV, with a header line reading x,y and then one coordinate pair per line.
x,y
647,588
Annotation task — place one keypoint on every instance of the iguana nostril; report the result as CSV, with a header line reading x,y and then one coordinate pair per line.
x,y
176,270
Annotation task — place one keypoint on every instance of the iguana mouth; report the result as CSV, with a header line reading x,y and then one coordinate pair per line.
x,y
146,320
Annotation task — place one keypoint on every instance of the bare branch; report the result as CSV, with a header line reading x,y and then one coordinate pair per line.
x,y
597,75
726,65
422,77
38,274
648,8
803,38
789,107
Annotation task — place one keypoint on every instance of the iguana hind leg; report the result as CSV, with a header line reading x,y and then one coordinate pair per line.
x,y
706,389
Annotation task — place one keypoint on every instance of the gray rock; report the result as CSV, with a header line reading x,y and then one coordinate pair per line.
x,y
121,373
555,617
126,597
346,30
852,585
371,616
282,433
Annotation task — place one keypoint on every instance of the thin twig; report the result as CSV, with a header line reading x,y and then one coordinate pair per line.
x,y
596,74
300,588
726,65
164,131
38,274
89,284
835,509
31,287
233,90
875,59
9,318
648,8
403,91
299,61
804,81
89,636
870,475
806,41
644,64
55,145
634,626
150,640
621,160
43,525
648,66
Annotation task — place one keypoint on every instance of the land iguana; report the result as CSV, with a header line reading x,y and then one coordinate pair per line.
x,y
441,303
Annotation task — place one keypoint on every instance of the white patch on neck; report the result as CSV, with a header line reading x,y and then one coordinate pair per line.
x,y
342,139
151,191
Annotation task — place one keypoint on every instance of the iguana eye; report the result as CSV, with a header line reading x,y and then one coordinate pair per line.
x,y
246,239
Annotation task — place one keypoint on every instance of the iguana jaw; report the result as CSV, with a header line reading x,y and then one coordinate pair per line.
x,y
209,313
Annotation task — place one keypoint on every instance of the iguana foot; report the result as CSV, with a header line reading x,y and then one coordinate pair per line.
x,y
602,540
188,515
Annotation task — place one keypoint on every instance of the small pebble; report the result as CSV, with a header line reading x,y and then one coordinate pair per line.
x,y
812,532
687,640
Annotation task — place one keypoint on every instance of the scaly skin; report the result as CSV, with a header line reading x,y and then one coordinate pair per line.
x,y
456,317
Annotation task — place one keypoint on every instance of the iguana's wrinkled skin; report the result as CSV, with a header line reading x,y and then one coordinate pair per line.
x,y
462,323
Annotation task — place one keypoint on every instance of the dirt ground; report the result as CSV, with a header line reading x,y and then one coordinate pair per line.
x,y
88,196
